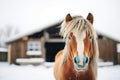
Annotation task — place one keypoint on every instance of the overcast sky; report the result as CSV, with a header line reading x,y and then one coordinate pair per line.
x,y
32,14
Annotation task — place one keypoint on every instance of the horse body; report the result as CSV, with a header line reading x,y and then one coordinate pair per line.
x,y
78,60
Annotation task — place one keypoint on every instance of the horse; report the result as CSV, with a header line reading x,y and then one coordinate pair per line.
x,y
78,59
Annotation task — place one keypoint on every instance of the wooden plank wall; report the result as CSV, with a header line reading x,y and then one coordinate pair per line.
x,y
16,50
107,50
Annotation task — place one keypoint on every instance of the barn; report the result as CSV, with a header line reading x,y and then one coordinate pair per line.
x,y
41,45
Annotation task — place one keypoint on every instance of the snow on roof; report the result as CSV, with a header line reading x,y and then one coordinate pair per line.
x,y
108,35
20,35
3,50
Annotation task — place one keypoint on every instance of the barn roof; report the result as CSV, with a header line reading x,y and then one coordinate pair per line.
x,y
24,34
110,36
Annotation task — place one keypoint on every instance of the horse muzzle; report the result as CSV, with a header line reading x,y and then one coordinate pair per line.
x,y
81,64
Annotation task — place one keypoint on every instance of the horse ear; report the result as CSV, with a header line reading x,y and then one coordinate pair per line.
x,y
90,18
68,18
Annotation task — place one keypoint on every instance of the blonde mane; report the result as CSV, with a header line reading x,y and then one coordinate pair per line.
x,y
77,25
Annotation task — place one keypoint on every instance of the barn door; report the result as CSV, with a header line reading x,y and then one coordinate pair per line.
x,y
51,50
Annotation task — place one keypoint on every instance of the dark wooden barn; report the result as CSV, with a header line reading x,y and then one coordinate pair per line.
x,y
45,43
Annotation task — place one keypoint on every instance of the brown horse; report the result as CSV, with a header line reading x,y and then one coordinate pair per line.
x,y
78,59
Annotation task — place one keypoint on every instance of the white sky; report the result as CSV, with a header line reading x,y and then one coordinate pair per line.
x,y
32,14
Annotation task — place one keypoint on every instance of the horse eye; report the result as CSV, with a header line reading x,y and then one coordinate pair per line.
x,y
69,37
90,37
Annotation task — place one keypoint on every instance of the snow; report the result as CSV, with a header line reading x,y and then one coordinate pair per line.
x,y
102,64
30,60
27,72
109,73
41,72
3,50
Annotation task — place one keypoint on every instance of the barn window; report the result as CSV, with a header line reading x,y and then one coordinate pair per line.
x,y
118,48
34,48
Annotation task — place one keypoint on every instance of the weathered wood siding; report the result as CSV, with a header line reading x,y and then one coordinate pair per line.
x,y
107,50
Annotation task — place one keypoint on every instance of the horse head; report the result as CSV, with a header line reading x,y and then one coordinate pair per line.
x,y
79,40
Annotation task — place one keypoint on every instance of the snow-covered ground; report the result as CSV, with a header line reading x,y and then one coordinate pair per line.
x,y
45,72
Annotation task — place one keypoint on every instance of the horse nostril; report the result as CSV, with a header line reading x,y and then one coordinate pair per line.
x,y
85,59
77,60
